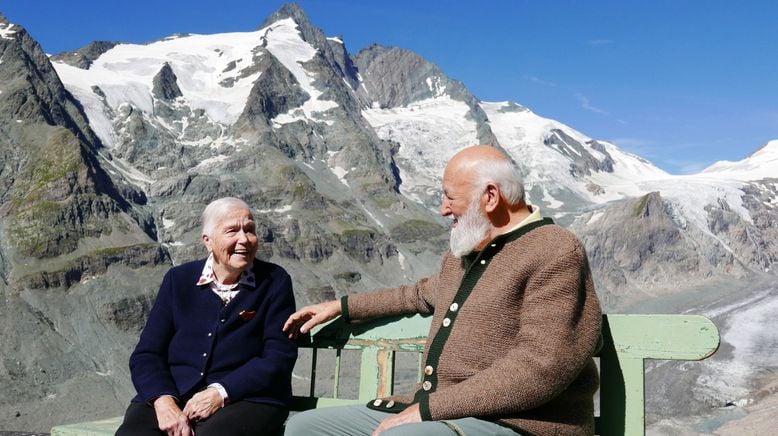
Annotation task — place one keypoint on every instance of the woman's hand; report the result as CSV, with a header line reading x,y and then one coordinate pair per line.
x,y
308,317
203,404
170,417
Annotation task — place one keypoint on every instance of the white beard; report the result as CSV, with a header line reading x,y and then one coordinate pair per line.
x,y
472,228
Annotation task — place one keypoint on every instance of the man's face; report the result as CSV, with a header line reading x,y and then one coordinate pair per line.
x,y
233,243
460,201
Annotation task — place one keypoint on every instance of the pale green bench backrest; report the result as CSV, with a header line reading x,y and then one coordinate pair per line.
x,y
627,341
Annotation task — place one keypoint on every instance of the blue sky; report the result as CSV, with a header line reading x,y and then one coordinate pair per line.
x,y
682,83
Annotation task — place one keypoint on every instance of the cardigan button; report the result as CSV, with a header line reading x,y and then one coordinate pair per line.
x,y
205,354
210,334
390,404
454,307
426,385
483,262
377,403
223,320
202,374
428,370
446,322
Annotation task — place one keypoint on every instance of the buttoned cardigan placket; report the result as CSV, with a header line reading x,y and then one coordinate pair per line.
x,y
475,265
218,325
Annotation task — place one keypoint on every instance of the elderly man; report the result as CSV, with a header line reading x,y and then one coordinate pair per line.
x,y
212,357
515,321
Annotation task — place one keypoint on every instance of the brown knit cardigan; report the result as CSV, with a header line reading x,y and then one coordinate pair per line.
x,y
523,322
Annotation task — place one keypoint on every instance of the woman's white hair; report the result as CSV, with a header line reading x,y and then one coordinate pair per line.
x,y
500,171
217,208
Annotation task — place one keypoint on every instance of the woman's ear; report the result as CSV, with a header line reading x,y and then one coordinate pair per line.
x,y
206,242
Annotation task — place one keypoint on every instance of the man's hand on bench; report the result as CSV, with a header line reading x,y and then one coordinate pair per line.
x,y
302,321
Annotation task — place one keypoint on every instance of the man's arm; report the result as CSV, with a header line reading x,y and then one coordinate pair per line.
x,y
416,298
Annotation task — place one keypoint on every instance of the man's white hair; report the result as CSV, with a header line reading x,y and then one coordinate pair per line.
x,y
218,208
502,172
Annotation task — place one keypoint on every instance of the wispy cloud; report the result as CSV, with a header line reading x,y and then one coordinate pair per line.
x,y
633,142
586,104
599,42
643,147
540,81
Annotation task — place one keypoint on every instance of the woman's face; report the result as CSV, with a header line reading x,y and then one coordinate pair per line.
x,y
233,243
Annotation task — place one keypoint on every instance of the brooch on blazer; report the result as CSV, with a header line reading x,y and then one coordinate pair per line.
x,y
247,315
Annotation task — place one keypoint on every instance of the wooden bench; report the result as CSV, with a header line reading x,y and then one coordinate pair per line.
x,y
628,341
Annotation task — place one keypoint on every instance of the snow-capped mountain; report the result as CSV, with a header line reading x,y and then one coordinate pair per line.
x,y
122,145
762,164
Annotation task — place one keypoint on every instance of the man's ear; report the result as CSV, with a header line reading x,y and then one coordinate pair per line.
x,y
206,242
492,197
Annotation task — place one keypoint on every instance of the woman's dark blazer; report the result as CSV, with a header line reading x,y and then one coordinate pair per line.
x,y
191,339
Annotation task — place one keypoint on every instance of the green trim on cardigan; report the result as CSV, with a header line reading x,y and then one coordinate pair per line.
x,y
344,308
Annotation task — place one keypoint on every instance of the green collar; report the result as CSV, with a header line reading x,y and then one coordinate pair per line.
x,y
495,245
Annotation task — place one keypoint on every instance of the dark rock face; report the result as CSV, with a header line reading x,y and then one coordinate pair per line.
x,y
64,223
275,92
97,263
635,245
396,77
582,161
128,314
85,56
166,84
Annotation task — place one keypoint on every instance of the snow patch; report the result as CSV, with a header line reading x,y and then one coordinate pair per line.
x,y
377,221
433,83
401,259
209,163
200,62
594,218
551,202
128,171
429,133
340,173
6,31
167,224
282,209
523,134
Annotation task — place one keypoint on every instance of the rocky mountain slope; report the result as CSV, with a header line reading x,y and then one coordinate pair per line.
x,y
109,154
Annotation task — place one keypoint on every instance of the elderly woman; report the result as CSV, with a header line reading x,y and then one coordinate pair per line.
x,y
212,358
